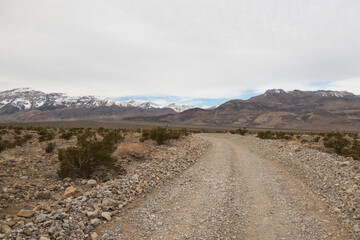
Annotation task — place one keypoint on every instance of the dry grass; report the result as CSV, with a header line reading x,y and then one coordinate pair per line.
x,y
134,150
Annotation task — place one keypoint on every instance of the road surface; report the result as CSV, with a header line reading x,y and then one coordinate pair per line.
x,y
230,193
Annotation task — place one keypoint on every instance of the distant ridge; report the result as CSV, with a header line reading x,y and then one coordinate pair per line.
x,y
279,109
21,104
276,108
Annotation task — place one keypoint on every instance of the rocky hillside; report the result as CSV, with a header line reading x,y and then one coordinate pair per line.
x,y
24,104
276,108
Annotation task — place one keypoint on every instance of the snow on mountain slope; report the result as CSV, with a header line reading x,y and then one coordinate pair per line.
x,y
27,99
179,108
22,98
334,93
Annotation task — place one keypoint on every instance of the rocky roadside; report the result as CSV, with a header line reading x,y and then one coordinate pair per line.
x,y
335,179
73,209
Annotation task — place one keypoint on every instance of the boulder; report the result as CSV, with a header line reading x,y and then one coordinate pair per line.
x,y
70,191
26,213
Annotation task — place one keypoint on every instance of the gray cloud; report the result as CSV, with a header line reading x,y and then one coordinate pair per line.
x,y
189,49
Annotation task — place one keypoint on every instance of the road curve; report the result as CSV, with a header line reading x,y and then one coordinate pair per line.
x,y
230,193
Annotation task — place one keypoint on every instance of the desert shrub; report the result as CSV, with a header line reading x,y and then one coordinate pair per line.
x,y
159,134
4,145
162,134
66,135
283,135
317,139
50,147
45,134
3,132
85,135
355,149
84,159
274,135
336,141
265,135
241,131
18,141
17,131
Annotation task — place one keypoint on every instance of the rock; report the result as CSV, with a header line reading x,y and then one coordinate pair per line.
x,y
4,196
43,195
6,229
93,214
44,238
95,221
344,164
27,231
41,218
79,232
11,223
26,213
106,236
47,223
92,183
106,215
70,191
337,210
94,236
109,202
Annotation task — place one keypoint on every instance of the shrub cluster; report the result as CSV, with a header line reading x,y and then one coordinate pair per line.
x,y
343,144
45,134
18,141
241,131
66,135
336,141
275,135
50,147
162,134
84,159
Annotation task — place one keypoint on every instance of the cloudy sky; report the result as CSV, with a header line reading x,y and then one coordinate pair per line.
x,y
190,51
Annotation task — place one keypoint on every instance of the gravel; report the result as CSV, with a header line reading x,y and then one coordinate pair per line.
x,y
238,190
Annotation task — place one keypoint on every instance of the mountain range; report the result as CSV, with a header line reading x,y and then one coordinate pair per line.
x,y
276,108
25,104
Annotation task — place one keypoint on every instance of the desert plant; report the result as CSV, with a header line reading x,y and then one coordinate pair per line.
x,y
45,134
162,134
265,135
241,131
336,141
66,135
84,159
50,147
85,135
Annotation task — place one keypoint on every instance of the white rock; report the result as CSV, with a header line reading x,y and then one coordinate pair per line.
x,y
106,215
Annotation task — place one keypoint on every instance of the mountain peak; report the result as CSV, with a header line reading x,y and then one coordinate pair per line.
x,y
274,92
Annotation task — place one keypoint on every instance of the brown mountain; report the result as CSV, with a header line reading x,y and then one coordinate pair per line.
x,y
303,110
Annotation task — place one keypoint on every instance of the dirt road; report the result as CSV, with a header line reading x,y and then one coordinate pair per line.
x,y
230,193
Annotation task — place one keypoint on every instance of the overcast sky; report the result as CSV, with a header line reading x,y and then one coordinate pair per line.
x,y
190,51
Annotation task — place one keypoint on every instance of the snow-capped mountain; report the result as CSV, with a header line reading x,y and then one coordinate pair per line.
x,y
28,99
179,108
334,93
322,93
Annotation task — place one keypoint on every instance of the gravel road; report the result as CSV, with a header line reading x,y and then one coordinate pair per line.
x,y
229,193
